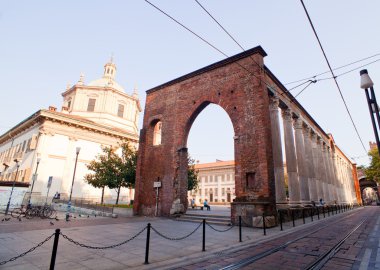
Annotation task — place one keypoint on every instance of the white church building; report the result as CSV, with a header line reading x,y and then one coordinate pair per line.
x,y
44,145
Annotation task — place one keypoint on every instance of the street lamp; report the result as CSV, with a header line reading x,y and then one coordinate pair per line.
x,y
365,83
13,186
72,185
34,178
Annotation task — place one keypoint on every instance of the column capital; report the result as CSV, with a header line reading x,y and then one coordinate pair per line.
x,y
273,103
297,123
306,130
286,114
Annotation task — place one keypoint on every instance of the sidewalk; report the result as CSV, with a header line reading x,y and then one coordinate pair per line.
x,y
163,253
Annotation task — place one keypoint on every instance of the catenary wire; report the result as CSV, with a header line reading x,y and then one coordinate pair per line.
x,y
204,40
346,65
332,72
224,29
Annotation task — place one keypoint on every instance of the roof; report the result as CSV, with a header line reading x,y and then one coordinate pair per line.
x,y
76,120
216,65
215,164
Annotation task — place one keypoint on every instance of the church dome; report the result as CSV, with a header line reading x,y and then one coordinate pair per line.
x,y
108,79
106,82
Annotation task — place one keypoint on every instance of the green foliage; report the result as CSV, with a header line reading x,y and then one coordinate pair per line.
x,y
373,170
113,170
192,175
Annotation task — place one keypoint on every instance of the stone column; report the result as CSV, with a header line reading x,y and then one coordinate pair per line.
x,y
329,174
317,165
307,137
301,162
323,171
327,184
278,162
291,159
334,176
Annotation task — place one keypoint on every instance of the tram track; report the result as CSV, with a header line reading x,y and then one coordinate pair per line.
x,y
318,263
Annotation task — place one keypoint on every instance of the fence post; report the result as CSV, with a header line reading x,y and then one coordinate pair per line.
x,y
294,224
55,247
147,245
204,236
280,213
240,229
264,226
303,215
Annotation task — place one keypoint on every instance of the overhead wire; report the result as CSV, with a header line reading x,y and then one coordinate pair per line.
x,y
204,40
333,75
346,65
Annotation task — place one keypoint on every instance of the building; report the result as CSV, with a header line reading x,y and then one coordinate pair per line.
x,y
93,115
216,182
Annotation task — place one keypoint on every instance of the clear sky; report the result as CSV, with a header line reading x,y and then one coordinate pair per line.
x,y
47,44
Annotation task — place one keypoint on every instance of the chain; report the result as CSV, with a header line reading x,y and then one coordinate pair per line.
x,y
26,252
219,230
178,238
106,247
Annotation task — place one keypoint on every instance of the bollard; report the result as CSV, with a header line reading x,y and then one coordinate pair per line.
x,y
323,210
240,229
328,211
264,227
55,247
147,245
280,212
311,214
318,212
294,224
336,209
303,215
204,236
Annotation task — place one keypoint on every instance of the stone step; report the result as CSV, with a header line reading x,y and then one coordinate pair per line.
x,y
211,219
195,216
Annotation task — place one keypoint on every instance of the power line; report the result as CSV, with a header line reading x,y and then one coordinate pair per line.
x,y
333,75
330,78
204,40
346,65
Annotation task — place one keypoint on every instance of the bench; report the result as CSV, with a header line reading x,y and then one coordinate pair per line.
x,y
197,207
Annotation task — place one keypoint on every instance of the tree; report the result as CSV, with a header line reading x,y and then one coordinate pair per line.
x,y
113,170
125,168
192,175
102,168
373,170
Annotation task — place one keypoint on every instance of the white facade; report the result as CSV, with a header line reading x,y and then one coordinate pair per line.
x,y
53,137
216,182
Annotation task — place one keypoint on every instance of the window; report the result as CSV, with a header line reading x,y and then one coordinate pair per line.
x,y
223,192
91,105
157,133
120,111
68,104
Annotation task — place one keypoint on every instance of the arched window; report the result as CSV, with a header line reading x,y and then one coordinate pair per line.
x,y
157,133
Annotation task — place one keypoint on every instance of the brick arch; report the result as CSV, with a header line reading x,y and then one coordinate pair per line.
x,y
177,103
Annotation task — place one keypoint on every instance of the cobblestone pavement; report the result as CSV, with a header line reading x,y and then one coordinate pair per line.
x,y
360,251
222,248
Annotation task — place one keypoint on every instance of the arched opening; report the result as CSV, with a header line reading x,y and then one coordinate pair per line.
x,y
210,145
157,133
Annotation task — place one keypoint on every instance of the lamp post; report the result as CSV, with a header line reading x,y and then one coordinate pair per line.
x,y
365,83
72,185
13,186
34,178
